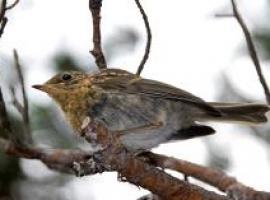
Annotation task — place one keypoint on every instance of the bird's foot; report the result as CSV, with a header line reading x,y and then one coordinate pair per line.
x,y
91,166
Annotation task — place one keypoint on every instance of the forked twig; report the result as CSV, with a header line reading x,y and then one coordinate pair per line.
x,y
3,18
15,101
12,5
95,8
149,38
25,108
252,50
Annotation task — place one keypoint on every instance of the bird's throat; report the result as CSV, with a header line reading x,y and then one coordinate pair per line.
x,y
76,108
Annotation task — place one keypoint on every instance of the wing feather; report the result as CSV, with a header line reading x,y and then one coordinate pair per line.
x,y
132,84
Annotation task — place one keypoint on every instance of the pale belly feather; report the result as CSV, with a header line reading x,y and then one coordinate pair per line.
x,y
118,112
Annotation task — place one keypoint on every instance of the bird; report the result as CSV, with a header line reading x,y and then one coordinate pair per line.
x,y
146,112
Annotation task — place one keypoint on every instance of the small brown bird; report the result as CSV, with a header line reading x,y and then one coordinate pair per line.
x,y
145,112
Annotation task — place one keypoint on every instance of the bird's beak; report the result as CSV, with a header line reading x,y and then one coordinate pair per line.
x,y
40,87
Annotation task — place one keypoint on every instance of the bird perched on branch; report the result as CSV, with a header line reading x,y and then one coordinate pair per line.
x,y
145,112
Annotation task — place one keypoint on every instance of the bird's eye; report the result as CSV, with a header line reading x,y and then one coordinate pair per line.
x,y
66,77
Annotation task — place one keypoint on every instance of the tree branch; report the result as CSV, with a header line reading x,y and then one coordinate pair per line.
x,y
95,8
215,178
149,37
113,156
61,160
252,50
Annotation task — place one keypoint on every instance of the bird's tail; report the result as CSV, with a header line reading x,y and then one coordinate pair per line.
x,y
240,112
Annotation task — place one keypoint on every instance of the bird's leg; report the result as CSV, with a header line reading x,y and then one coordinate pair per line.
x,y
186,178
142,155
121,178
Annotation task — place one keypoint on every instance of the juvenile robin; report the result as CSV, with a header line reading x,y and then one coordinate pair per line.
x,y
145,112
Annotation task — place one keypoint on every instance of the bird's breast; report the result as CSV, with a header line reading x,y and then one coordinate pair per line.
x,y
76,110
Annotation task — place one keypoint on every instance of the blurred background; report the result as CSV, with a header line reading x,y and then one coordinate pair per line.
x,y
192,49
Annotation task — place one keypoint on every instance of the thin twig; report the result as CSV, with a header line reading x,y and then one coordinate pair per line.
x,y
25,111
5,125
3,19
16,102
3,10
3,26
95,8
4,121
223,15
252,50
12,5
149,38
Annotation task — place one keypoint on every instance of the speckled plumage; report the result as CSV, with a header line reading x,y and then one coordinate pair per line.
x,y
147,112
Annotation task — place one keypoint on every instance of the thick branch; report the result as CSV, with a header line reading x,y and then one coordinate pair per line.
x,y
149,37
252,50
213,177
113,156
95,8
61,160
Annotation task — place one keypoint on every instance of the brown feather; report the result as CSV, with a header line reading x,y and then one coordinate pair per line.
x,y
132,84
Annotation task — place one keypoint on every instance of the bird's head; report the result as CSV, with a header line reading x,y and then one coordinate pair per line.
x,y
66,86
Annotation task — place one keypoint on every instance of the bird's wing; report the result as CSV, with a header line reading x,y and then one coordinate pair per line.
x,y
132,84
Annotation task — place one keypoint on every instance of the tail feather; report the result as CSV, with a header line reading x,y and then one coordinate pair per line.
x,y
196,130
240,112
